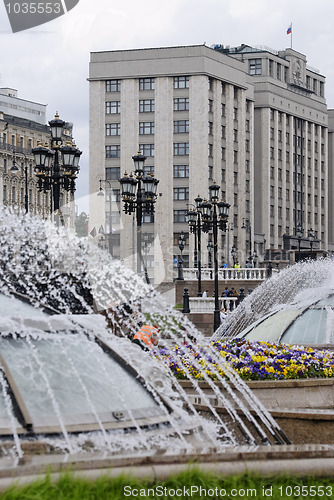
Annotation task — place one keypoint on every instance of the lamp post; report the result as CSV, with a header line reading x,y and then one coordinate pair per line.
x,y
255,257
299,235
210,250
194,217
210,221
234,252
56,167
101,194
247,225
311,237
14,169
145,244
139,194
181,243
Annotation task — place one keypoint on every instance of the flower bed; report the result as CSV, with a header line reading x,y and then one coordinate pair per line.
x,y
252,360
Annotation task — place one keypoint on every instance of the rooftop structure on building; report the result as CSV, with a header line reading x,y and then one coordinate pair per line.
x,y
12,105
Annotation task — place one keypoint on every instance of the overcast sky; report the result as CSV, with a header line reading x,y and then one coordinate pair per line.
x,y
49,64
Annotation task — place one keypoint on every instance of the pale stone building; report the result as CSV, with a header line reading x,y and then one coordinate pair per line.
x,y
252,119
190,111
22,127
291,171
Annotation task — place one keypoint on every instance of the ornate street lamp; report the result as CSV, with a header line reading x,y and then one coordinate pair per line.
x,y
56,167
246,224
215,215
15,169
139,194
311,237
101,194
234,252
145,245
210,250
181,243
299,235
255,257
195,226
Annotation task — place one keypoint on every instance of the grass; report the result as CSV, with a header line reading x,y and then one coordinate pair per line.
x,y
192,484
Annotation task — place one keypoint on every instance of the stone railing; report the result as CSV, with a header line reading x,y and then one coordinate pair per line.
x,y
207,304
242,274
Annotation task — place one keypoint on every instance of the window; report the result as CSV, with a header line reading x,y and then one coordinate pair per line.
x,y
113,128
181,171
146,106
113,107
146,83
255,66
147,149
115,193
210,83
181,104
278,71
113,151
210,150
271,67
210,104
181,127
223,132
180,216
113,85
176,238
181,193
148,169
148,218
181,82
113,174
181,148
235,113
146,128
210,128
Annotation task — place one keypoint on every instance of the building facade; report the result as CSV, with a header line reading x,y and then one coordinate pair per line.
x,y
190,111
22,128
253,120
291,173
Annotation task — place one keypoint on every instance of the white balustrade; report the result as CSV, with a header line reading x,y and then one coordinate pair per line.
x,y
225,274
207,304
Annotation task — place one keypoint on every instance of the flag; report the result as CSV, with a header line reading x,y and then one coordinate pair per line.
x,y
93,232
289,30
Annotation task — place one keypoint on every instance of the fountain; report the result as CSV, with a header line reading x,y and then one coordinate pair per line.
x,y
75,388
295,306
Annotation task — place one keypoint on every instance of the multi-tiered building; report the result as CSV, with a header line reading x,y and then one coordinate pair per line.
x,y
22,125
22,128
253,120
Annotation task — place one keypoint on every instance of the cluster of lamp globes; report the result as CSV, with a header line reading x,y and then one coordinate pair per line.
x,y
58,164
138,188
207,210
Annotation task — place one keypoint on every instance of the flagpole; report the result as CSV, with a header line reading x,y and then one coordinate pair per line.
x,y
291,35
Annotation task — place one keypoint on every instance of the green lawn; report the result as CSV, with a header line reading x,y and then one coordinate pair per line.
x,y
190,484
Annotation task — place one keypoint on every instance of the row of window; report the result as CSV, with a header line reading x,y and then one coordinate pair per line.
x,y
148,105
180,82
148,128
180,149
179,172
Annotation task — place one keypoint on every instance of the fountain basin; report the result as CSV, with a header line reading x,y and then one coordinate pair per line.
x,y
304,409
